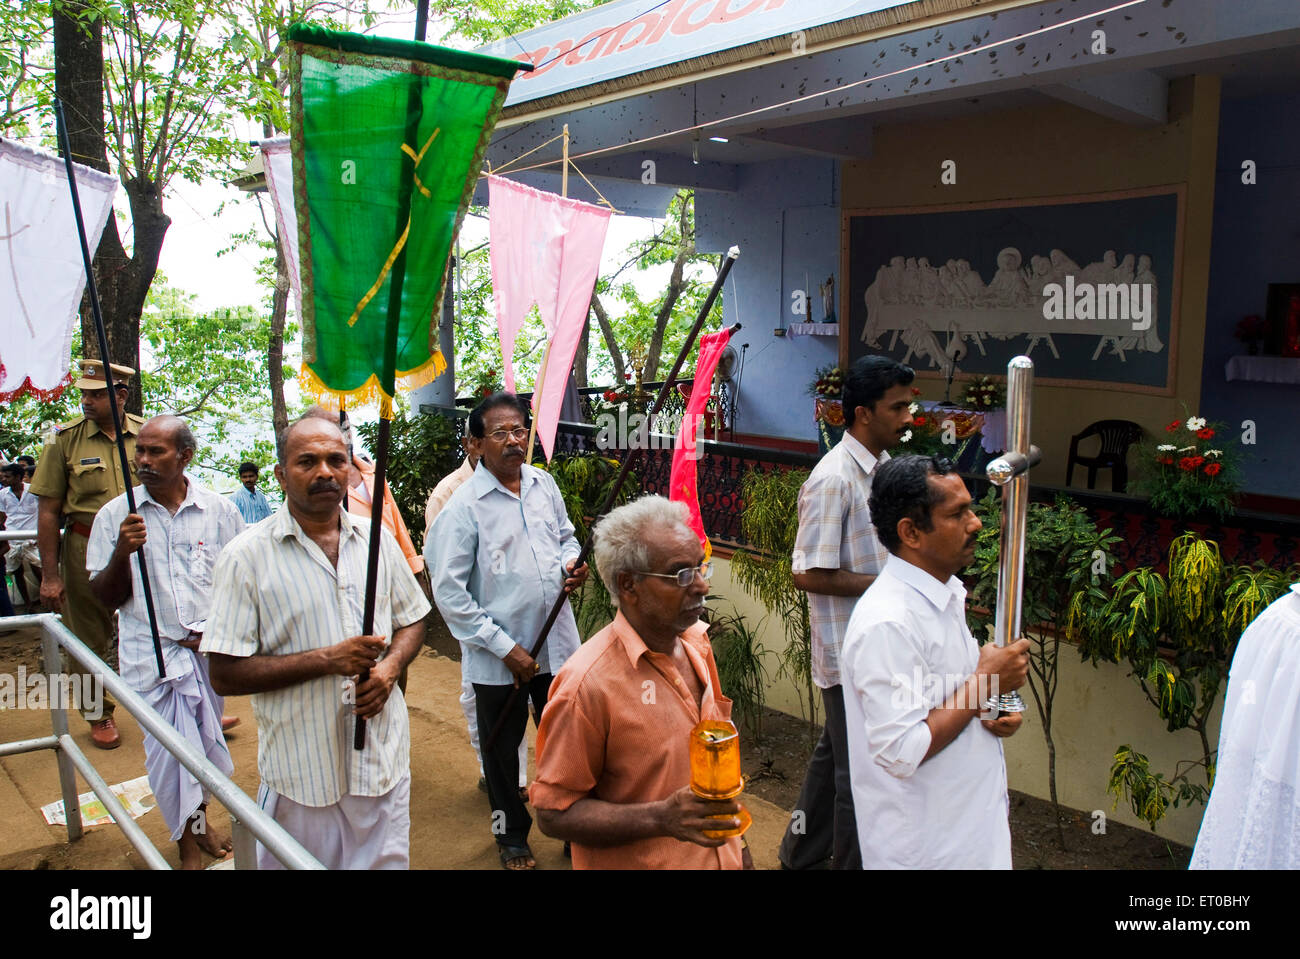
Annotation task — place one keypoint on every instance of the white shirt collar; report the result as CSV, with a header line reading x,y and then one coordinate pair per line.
x,y
189,500
485,481
939,594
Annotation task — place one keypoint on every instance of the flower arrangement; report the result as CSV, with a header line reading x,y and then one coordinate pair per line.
x,y
1193,470
925,436
1250,330
985,393
828,384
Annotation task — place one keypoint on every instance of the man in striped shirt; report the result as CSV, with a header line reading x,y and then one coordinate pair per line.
x,y
836,557
185,526
286,628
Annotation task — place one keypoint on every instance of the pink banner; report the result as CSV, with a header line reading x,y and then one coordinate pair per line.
x,y
682,483
545,250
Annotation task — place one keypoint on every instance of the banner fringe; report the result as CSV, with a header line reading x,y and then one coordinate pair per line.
x,y
370,391
27,388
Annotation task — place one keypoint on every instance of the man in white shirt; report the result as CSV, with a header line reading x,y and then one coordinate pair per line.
x,y
1251,820
929,785
185,525
836,557
288,597
18,514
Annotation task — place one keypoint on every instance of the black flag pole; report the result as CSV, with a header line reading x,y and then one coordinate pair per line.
x,y
102,335
414,113
612,497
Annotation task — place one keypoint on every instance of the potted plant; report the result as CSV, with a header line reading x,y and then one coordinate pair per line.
x,y
985,393
1191,469
1250,330
827,390
1177,635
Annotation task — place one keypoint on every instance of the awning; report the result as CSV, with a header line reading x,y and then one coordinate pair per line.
x,y
653,40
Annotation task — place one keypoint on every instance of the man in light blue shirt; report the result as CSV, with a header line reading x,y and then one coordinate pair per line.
x,y
499,554
248,499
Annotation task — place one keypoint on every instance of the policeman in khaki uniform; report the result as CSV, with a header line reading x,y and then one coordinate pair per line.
x,y
79,471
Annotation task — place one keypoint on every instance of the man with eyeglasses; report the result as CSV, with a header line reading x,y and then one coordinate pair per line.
x,y
499,554
613,748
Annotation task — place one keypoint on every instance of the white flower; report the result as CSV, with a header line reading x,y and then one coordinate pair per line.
x,y
914,408
1166,447
1214,452
906,437
1188,449
1196,423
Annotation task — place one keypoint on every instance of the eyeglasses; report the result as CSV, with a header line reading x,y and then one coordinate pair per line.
x,y
518,433
685,577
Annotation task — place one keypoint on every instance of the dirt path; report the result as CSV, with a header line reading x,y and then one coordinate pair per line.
x,y
450,819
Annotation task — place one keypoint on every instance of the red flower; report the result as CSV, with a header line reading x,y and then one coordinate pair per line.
x,y
1187,464
915,391
627,376
1173,426
1205,434
1213,469
610,396
918,420
1197,461
1165,460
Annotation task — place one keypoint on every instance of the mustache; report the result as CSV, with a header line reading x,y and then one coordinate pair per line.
x,y
325,486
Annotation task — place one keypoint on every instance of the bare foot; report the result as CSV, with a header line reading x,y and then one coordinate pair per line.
x,y
215,844
516,858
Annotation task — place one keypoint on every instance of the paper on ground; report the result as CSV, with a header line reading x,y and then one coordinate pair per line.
x,y
135,796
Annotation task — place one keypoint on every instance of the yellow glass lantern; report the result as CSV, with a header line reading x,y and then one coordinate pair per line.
x,y
715,770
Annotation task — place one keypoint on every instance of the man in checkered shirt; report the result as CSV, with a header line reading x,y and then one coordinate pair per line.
x,y
836,557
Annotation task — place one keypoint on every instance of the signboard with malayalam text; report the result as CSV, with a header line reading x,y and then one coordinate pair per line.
x,y
631,36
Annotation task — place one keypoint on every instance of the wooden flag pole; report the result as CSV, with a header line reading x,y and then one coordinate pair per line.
x,y
102,336
546,354
612,497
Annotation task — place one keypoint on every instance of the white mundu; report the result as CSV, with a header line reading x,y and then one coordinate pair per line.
x,y
275,593
1253,818
906,650
181,551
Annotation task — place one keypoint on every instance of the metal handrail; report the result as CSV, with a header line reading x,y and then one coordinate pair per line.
x,y
249,823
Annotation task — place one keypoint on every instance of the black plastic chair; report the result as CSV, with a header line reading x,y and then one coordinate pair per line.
x,y
1116,437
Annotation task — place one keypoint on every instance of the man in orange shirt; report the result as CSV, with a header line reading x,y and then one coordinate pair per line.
x,y
613,763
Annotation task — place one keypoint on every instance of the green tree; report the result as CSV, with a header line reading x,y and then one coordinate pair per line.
x,y
1065,554
222,393
146,87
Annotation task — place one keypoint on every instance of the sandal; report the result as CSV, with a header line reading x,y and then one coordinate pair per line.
x,y
511,853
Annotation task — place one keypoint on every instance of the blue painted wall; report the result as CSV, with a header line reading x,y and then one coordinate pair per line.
x,y
1256,241
785,217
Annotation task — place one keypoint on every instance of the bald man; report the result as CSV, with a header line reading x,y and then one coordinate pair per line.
x,y
182,526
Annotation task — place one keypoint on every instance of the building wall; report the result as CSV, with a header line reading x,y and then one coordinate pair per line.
x,y
785,218
1053,150
1096,711
1255,243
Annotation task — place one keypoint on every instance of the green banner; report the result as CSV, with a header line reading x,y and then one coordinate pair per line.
x,y
388,138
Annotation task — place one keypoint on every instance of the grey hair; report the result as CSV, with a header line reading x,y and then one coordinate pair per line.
x,y
622,539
